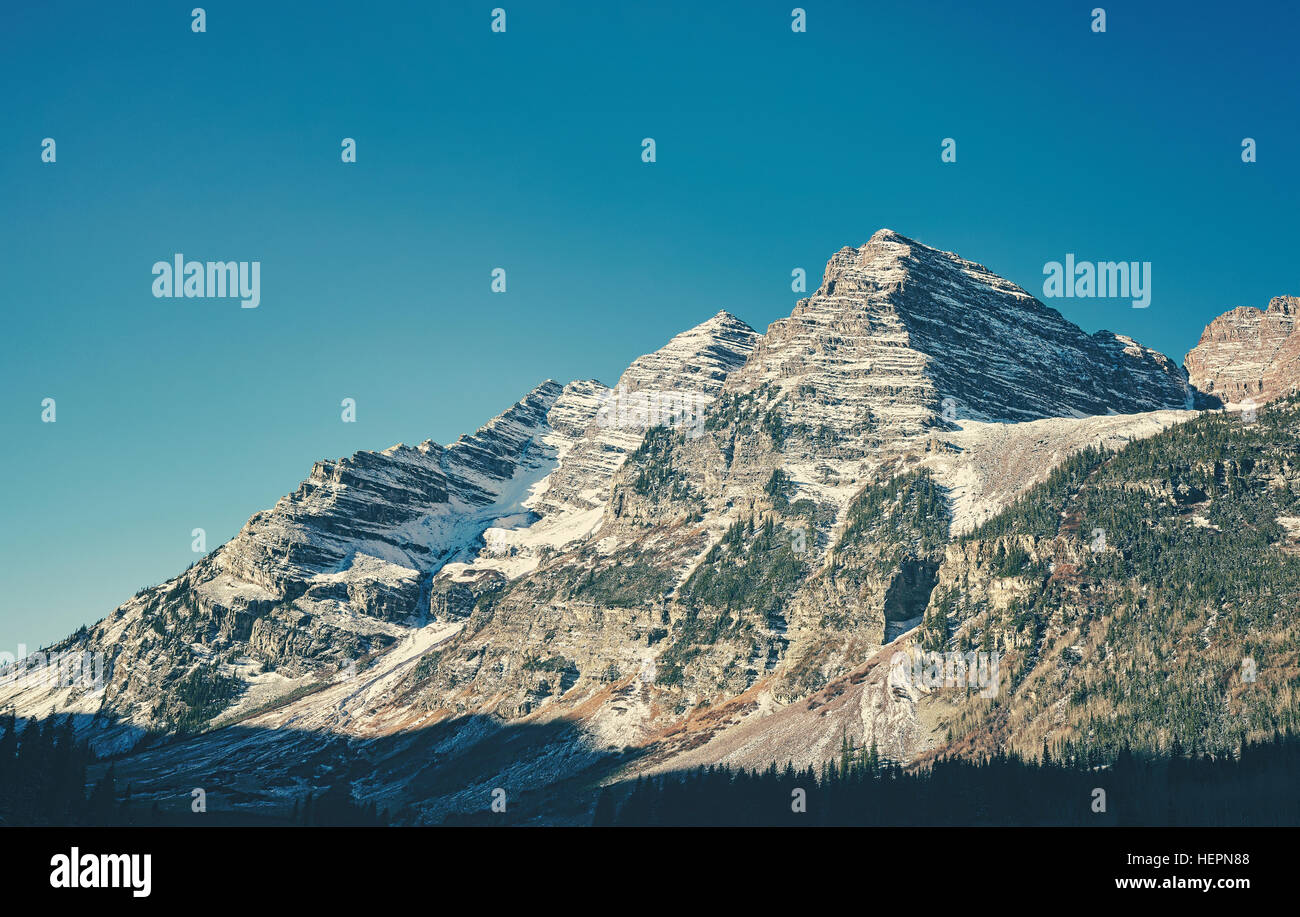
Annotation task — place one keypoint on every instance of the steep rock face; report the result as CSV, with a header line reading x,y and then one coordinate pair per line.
x,y
1247,353
897,327
579,612
1282,377
673,385
332,574
402,505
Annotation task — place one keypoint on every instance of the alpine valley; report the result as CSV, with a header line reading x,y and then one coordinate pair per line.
x,y
921,457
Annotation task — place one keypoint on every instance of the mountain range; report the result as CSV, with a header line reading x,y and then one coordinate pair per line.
x,y
718,559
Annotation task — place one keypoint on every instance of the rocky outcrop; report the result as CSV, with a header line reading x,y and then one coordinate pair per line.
x,y
1248,354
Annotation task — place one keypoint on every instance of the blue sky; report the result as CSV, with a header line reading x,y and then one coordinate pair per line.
x,y
522,150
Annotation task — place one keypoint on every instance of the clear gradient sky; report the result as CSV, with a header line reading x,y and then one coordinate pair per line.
x,y
522,150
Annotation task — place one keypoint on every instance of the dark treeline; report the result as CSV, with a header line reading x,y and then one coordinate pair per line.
x,y
336,808
43,776
1257,787
43,781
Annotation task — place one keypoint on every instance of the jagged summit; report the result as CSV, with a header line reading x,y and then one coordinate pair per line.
x,y
401,505
885,234
722,316
697,359
898,328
